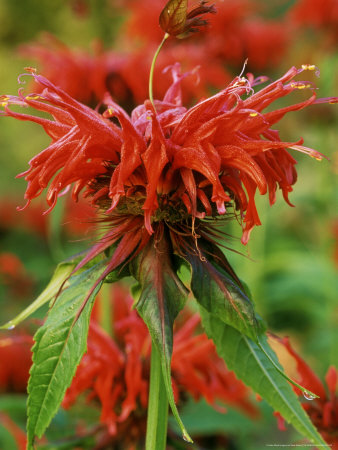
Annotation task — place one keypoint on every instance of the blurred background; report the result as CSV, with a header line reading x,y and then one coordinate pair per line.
x,y
291,261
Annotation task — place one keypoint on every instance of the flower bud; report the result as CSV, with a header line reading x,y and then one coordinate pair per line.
x,y
177,21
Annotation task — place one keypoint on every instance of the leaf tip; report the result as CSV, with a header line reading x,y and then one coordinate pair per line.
x,y
186,437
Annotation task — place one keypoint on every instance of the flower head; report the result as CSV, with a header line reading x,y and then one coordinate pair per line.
x,y
170,164
171,168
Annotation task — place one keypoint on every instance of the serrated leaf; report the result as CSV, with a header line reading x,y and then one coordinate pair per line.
x,y
220,294
58,349
61,274
254,368
161,296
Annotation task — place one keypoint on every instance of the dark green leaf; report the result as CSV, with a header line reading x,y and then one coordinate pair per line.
x,y
58,349
162,296
253,367
217,289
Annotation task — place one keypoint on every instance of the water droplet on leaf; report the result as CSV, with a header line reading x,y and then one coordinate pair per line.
x,y
186,438
10,326
308,395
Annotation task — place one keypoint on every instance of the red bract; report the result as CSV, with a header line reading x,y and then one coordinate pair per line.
x,y
14,370
323,411
116,371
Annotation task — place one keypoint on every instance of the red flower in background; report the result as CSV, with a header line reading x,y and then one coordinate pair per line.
x,y
323,411
264,43
31,219
18,434
316,13
87,77
235,33
13,274
15,362
76,218
115,373
84,75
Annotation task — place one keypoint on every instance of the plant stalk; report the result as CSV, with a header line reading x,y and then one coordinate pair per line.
x,y
106,312
157,420
152,67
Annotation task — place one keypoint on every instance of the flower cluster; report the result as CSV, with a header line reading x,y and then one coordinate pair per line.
x,y
165,166
169,163
115,372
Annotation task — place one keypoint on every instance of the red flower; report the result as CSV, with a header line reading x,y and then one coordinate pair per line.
x,y
323,411
236,32
108,71
263,42
13,274
31,219
84,75
14,371
116,372
315,13
173,168
198,161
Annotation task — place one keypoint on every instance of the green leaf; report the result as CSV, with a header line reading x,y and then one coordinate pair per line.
x,y
218,291
58,349
162,296
61,274
253,367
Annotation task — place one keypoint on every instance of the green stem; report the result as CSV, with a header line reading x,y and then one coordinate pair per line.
x,y
106,309
54,231
151,75
157,420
